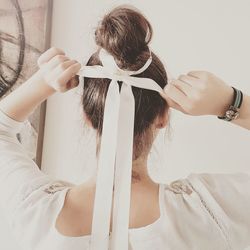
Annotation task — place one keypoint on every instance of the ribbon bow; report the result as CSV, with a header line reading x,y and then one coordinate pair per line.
x,y
115,157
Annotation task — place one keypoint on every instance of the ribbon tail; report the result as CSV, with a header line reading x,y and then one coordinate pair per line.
x,y
105,171
123,170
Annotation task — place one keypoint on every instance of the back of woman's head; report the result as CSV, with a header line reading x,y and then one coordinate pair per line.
x,y
125,33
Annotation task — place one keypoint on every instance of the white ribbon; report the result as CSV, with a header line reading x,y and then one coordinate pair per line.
x,y
115,157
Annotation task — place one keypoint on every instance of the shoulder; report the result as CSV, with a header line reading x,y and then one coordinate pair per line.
x,y
36,215
220,186
179,186
220,182
56,186
39,201
222,198
227,195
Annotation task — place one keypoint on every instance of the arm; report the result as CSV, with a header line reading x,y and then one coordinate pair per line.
x,y
21,103
244,118
19,175
202,93
56,72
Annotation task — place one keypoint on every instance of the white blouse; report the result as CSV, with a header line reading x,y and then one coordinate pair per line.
x,y
203,211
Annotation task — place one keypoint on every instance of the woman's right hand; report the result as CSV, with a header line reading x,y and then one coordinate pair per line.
x,y
58,71
199,93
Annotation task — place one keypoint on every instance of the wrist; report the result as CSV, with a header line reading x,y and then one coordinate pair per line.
x,y
233,111
226,100
44,87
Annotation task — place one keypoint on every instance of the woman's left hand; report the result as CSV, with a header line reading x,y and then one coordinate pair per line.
x,y
199,93
58,71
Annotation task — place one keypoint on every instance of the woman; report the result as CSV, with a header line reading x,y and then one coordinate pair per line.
x,y
206,211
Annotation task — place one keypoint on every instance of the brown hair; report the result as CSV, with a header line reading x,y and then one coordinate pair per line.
x,y
125,33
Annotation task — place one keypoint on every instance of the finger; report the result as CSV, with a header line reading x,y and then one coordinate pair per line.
x,y
174,105
200,83
49,54
68,74
56,60
73,82
183,86
176,95
62,67
176,85
198,74
57,72
190,80
163,95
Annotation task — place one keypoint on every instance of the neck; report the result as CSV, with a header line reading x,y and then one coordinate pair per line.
x,y
139,176
140,171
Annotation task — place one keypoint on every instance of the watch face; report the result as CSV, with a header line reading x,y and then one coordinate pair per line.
x,y
232,114
236,115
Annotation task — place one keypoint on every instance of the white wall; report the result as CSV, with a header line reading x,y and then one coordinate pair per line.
x,y
188,35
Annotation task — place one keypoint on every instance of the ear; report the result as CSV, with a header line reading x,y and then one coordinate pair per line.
x,y
161,121
87,120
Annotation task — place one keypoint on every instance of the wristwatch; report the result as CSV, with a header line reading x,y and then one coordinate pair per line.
x,y
233,112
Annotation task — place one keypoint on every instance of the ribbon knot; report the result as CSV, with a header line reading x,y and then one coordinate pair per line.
x,y
118,76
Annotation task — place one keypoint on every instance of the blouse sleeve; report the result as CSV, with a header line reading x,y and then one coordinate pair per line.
x,y
19,175
227,198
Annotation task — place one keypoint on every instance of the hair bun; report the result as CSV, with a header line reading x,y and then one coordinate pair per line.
x,y
125,34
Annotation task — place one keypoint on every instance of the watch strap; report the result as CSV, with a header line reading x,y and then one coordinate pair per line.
x,y
234,107
238,98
